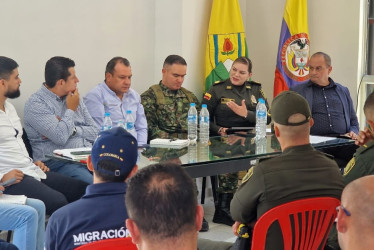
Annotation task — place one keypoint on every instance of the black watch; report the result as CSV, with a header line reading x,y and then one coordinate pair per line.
x,y
74,131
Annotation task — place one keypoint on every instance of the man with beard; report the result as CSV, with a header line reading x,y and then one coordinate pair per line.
x,y
32,179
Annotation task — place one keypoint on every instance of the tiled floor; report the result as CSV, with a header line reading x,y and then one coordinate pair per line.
x,y
217,232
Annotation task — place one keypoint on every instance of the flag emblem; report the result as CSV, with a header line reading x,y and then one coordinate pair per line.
x,y
207,96
295,57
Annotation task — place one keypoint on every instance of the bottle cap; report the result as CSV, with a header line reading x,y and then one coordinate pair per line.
x,y
192,104
203,106
107,114
128,111
261,100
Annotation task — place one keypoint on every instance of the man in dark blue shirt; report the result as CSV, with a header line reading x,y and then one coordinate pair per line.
x,y
101,213
331,105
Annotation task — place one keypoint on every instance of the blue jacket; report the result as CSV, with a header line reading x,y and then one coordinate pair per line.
x,y
306,90
100,214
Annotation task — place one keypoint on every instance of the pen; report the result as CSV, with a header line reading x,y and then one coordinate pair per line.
x,y
8,182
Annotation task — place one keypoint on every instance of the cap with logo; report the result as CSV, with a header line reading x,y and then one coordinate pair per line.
x,y
287,104
118,146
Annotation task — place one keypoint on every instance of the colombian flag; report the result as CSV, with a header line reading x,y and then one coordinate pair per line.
x,y
293,51
226,40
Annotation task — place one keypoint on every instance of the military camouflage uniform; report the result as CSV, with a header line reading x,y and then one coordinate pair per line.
x,y
222,116
166,111
362,163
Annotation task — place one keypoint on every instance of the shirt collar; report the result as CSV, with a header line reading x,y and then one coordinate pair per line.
x,y
45,91
298,148
331,84
105,189
112,93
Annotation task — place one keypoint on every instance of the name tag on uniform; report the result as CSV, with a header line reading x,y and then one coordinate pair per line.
x,y
226,100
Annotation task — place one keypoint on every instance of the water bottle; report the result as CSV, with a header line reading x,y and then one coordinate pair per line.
x,y
121,123
192,123
107,124
204,125
261,145
192,153
261,119
130,122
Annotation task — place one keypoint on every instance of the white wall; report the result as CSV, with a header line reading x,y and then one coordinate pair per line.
x,y
92,31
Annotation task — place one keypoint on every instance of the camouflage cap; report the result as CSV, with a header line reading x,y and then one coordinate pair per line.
x,y
287,104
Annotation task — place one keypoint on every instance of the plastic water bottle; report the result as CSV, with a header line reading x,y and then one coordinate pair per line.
x,y
261,145
121,123
130,122
107,124
261,118
192,153
192,123
204,125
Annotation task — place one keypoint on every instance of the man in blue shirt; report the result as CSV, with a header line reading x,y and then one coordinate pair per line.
x,y
115,96
101,213
56,118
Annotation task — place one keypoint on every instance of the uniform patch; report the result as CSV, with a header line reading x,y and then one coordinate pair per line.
x,y
207,96
349,166
248,175
248,87
253,99
226,100
228,87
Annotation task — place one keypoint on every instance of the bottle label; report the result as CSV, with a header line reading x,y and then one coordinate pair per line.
x,y
192,118
261,113
130,125
204,119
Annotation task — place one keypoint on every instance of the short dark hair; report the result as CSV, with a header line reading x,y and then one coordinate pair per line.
x,y
174,59
113,62
325,56
7,65
246,61
57,68
110,166
161,199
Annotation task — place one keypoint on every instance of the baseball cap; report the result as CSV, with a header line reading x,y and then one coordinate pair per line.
x,y
287,104
118,146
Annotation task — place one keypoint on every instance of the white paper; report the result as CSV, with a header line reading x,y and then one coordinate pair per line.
x,y
14,199
170,143
314,139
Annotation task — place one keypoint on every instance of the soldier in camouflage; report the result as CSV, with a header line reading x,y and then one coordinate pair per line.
x,y
166,104
232,103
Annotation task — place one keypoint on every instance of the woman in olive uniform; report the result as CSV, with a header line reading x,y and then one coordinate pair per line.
x,y
232,103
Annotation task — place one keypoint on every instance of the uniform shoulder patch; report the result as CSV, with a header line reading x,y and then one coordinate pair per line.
x,y
248,175
349,166
207,96
257,83
217,82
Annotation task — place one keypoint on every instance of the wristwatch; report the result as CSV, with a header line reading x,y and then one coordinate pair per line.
x,y
74,131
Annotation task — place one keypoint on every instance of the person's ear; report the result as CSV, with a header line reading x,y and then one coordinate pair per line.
x,y
134,231
108,76
199,217
133,171
311,122
89,163
371,125
330,69
341,224
276,130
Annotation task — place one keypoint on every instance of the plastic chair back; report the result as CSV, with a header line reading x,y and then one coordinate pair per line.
x,y
112,244
305,223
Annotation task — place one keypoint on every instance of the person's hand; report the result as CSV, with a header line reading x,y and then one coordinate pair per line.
x,y
235,227
232,139
351,135
222,131
364,136
239,110
15,173
42,166
72,100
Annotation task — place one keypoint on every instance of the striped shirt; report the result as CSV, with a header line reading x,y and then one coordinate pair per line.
x,y
46,132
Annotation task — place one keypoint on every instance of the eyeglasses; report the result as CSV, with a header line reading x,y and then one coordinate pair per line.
x,y
344,210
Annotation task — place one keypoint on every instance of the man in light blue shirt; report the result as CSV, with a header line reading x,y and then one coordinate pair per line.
x,y
56,118
115,96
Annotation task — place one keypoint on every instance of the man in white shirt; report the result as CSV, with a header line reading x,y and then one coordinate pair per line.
x,y
32,179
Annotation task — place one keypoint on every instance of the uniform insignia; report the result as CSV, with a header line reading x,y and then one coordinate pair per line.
x,y
349,166
228,87
248,87
248,175
216,82
226,100
253,99
262,93
207,96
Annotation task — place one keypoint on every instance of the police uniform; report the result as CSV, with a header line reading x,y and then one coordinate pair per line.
x,y
166,111
299,172
361,164
100,214
221,115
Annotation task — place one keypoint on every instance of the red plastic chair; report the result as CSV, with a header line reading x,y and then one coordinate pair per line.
x,y
112,244
312,221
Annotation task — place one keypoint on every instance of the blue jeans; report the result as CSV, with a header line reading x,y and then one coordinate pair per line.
x,y
27,221
75,170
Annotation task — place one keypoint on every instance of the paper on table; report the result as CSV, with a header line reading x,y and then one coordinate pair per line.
x,y
314,139
169,143
15,199
73,153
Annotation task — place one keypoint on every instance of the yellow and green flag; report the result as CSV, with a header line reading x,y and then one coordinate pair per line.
x,y
226,40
